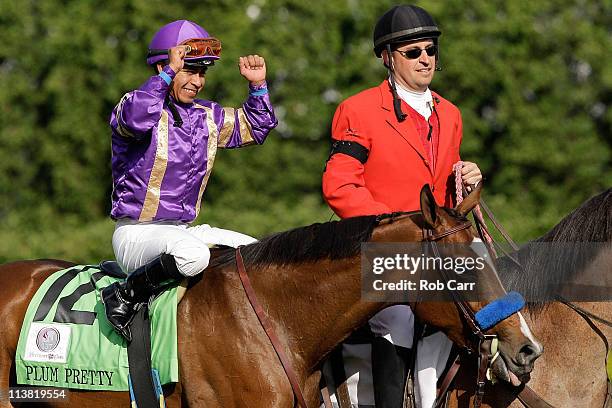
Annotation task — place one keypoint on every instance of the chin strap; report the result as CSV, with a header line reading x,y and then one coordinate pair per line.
x,y
178,121
438,65
397,103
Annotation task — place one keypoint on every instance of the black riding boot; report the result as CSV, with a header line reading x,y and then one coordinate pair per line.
x,y
389,372
123,299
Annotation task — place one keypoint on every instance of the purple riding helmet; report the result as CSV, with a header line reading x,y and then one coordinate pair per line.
x,y
204,48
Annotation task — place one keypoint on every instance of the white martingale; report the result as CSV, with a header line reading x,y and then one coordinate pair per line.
x,y
47,342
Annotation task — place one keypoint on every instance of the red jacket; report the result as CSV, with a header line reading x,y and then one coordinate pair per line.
x,y
397,166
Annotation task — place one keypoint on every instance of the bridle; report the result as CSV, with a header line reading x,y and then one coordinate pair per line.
x,y
484,341
463,306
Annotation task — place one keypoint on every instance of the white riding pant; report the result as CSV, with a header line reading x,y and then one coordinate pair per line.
x,y
137,243
396,324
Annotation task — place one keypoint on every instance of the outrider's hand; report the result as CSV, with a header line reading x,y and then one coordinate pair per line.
x,y
471,175
253,69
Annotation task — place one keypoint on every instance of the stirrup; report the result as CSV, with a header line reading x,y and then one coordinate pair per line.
x,y
126,333
121,323
123,300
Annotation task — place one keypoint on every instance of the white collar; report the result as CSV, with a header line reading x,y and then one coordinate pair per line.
x,y
422,102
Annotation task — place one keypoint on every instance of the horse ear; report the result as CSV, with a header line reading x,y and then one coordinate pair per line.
x,y
429,207
470,201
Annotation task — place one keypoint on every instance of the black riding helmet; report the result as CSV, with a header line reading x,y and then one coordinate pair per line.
x,y
400,24
404,23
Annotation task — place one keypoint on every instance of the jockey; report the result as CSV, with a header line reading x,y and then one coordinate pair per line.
x,y
388,141
164,143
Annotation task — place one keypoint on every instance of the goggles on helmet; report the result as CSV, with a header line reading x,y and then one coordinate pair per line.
x,y
196,48
203,47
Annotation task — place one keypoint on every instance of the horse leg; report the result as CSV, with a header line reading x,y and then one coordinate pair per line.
x,y
5,370
14,298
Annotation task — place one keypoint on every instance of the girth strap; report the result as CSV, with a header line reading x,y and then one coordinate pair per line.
x,y
139,358
267,326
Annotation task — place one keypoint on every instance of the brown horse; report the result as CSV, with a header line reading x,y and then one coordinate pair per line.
x,y
572,372
309,282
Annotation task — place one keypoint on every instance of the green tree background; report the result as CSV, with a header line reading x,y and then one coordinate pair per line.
x,y
532,79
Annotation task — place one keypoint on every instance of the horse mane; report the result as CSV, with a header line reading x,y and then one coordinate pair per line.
x,y
334,240
543,274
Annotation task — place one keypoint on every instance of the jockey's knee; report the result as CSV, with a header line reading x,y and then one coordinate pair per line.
x,y
191,258
230,238
243,239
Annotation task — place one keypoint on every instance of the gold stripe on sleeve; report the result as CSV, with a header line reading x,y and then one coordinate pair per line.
x,y
120,129
151,202
228,126
213,133
246,133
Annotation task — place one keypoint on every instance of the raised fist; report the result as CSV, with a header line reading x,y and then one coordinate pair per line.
x,y
253,69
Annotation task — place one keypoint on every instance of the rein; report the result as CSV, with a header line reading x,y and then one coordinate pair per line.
x,y
481,226
585,314
270,332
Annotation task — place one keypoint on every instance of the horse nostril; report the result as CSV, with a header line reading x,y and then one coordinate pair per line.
x,y
528,354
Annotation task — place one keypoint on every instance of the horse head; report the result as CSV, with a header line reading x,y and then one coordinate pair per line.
x,y
488,310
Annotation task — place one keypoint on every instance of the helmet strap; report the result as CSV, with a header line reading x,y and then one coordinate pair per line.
x,y
438,65
397,103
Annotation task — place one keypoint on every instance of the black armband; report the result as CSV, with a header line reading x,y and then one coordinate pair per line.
x,y
353,149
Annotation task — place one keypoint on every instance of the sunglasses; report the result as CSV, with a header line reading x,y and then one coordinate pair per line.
x,y
415,53
196,48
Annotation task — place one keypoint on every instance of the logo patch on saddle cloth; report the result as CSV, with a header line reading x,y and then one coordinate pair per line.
x,y
67,342
47,342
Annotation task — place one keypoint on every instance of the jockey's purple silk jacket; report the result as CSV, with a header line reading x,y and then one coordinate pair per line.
x,y
160,170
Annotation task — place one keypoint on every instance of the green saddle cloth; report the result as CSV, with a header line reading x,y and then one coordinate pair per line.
x,y
67,342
